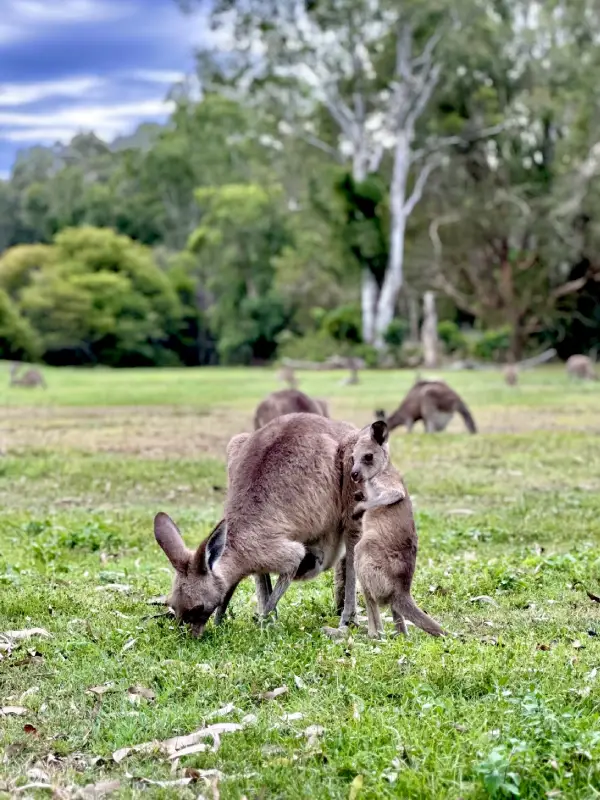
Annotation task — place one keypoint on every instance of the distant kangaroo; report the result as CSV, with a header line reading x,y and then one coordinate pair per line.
x,y
579,366
31,378
511,374
434,402
287,375
287,401
386,553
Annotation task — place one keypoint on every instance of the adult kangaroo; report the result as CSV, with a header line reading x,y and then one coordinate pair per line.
x,y
288,511
434,402
287,401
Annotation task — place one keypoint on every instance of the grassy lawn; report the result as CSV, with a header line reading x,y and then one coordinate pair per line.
x,y
509,525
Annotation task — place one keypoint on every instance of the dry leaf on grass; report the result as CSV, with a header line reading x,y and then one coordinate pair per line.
x,y
299,682
13,711
30,729
128,645
273,693
292,717
35,785
37,774
101,789
109,686
27,634
167,784
157,601
221,712
125,588
542,647
355,787
484,598
577,645
136,693
173,747
313,732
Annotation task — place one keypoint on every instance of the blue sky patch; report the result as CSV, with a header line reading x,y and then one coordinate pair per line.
x,y
68,66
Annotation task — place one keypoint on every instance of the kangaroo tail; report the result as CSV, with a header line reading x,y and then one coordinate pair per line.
x,y
467,417
411,611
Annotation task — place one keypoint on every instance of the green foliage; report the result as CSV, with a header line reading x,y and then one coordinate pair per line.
x,y
343,324
93,296
18,339
395,333
492,345
452,337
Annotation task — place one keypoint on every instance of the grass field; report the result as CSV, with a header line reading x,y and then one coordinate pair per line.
x,y
509,525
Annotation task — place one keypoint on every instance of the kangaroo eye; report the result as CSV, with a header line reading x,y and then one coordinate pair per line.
x,y
367,458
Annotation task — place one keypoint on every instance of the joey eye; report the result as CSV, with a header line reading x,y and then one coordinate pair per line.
x,y
368,458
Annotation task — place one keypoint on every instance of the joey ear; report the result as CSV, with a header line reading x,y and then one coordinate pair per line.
x,y
216,544
168,536
379,431
379,414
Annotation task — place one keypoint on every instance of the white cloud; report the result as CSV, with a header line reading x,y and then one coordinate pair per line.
x,y
65,11
61,125
165,76
16,94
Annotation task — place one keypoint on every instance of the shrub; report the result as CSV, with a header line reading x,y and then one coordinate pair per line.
x,y
493,344
395,333
452,337
342,324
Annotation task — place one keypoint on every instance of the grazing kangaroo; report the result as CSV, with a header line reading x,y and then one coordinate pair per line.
x,y
434,402
287,375
511,374
288,511
287,401
386,554
31,378
579,366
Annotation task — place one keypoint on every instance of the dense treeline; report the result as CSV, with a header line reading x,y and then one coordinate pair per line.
x,y
344,159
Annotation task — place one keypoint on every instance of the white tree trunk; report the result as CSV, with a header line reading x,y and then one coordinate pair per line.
x,y
392,284
429,336
369,291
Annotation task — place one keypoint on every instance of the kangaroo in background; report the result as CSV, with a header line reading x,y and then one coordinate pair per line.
x,y
287,401
287,375
31,378
579,366
434,402
386,554
288,511
511,374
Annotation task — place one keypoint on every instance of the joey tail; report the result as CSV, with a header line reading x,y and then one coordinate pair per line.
x,y
411,611
467,417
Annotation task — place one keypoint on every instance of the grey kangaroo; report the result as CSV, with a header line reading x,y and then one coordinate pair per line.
x,y
386,555
288,511
287,401
435,403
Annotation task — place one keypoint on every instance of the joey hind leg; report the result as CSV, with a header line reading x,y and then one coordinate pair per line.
x,y
399,621
374,622
349,611
339,580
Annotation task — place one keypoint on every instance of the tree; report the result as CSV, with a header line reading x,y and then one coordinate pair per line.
x,y
242,231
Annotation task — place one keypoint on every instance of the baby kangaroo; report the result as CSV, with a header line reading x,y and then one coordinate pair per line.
x,y
386,554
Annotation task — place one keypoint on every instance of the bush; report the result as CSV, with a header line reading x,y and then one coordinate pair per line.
x,y
395,333
343,324
493,345
452,337
18,340
318,346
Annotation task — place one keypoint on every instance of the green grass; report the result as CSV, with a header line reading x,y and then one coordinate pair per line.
x,y
508,707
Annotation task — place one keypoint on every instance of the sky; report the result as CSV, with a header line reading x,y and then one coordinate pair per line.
x,y
80,65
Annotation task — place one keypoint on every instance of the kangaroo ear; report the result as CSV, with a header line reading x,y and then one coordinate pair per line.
x,y
379,432
216,544
379,414
168,536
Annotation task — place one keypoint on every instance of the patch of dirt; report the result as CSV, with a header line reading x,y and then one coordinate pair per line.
x,y
152,432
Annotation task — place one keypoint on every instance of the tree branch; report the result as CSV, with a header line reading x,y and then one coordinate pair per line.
x,y
418,188
447,141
